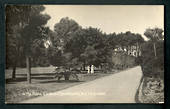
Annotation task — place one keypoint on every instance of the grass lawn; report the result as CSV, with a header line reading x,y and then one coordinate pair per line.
x,y
42,82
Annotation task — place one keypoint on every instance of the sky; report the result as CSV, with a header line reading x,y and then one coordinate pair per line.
x,y
109,18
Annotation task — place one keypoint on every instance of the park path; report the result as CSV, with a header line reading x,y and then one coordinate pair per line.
x,y
116,88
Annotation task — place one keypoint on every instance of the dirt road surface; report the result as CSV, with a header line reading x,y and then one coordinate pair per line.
x,y
116,88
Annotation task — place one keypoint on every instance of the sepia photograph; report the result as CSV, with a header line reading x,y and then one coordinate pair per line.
x,y
84,54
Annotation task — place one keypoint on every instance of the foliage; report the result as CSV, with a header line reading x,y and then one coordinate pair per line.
x,y
63,34
154,34
24,25
71,45
153,66
76,46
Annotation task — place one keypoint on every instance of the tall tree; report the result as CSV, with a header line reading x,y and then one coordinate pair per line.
x,y
36,22
154,35
64,30
30,21
15,17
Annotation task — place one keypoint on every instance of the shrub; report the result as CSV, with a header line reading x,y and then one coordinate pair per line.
x,y
151,65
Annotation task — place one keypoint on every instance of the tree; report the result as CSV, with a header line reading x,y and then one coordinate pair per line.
x,y
15,16
14,49
76,46
79,46
154,47
139,42
30,21
89,47
154,35
86,45
73,45
64,30
110,40
61,38
40,48
36,22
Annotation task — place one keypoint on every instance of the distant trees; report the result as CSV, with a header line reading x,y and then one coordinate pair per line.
x,y
68,45
29,23
126,41
77,46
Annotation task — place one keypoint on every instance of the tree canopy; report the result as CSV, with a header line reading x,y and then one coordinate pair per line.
x,y
76,45
24,25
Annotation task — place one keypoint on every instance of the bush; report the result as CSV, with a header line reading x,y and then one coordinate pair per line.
x,y
151,65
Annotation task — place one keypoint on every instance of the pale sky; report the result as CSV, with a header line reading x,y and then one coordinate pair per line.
x,y
109,18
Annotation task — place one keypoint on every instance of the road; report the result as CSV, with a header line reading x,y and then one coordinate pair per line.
x,y
116,88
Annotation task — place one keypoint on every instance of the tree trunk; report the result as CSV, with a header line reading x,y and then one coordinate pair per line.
x,y
127,50
137,50
84,66
154,49
28,69
130,50
101,66
14,72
